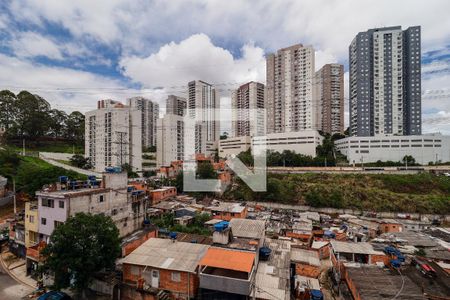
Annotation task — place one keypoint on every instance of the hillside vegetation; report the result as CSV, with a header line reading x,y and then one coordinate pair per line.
x,y
30,173
422,193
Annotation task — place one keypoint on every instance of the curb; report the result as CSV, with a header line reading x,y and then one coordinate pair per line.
x,y
2,262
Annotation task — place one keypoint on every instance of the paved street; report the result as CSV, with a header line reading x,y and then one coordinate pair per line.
x,y
11,289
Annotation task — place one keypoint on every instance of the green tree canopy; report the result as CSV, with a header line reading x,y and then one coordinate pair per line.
x,y
83,245
205,170
30,116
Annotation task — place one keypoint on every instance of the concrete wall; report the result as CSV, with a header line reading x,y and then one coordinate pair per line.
x,y
51,214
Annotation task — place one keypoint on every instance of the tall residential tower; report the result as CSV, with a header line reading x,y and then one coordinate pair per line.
x,y
113,136
247,104
150,114
329,98
289,93
203,105
385,82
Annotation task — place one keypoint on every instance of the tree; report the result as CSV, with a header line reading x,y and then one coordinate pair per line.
x,y
32,116
83,245
129,169
58,120
75,127
8,110
409,159
80,161
9,161
205,170
246,157
224,135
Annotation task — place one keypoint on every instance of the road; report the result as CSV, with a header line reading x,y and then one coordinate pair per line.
x,y
11,289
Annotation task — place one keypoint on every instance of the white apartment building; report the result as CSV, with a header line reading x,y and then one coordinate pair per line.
x,y
203,105
150,114
234,145
176,105
424,148
302,142
113,136
170,140
248,115
289,89
111,198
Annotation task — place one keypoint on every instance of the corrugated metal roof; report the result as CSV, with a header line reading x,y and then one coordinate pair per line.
x,y
229,259
360,248
167,254
248,228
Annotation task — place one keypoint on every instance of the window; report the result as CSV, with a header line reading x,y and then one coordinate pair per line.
x,y
61,204
134,270
114,212
43,221
176,276
31,219
101,198
48,202
57,223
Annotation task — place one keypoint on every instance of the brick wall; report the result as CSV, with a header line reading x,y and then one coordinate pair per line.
x,y
130,247
179,289
307,270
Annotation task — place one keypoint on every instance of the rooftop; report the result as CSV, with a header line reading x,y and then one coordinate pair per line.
x,y
167,254
349,247
70,193
235,260
248,228
305,256
373,283
272,277
411,238
228,207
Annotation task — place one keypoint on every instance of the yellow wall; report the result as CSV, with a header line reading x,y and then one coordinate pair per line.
x,y
31,223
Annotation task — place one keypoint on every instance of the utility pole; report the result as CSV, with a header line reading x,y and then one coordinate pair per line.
x,y
121,141
23,147
14,195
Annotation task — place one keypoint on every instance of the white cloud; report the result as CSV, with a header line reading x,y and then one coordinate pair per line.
x,y
175,64
64,88
30,44
142,25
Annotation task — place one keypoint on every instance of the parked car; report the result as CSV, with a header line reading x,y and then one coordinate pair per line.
x,y
55,295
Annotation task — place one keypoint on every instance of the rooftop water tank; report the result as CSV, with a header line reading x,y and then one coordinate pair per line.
x,y
316,295
221,226
264,253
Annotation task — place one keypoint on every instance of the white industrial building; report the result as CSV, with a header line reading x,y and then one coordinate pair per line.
x,y
234,146
424,148
302,142
113,136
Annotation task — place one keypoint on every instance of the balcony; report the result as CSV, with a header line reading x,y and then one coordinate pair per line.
x,y
228,281
34,252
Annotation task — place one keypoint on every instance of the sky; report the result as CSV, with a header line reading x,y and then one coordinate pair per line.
x,y
74,53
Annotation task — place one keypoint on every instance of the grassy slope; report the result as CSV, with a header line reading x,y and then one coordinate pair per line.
x,y
54,146
33,173
422,193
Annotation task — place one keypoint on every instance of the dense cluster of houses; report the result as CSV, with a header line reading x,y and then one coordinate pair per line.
x,y
249,251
